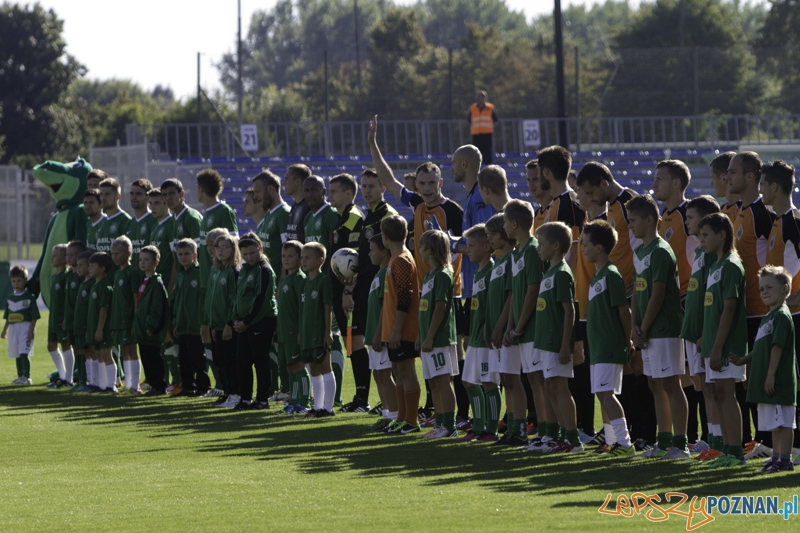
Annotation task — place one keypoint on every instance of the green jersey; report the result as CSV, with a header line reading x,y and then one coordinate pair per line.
x,y
219,215
139,231
776,329
58,290
161,237
374,305
186,308
99,297
272,232
21,307
316,293
692,327
319,227
499,286
606,337
220,297
652,263
527,269
437,287
91,231
152,312
255,294
477,306
82,312
557,287
187,225
111,228
126,285
725,280
71,296
290,292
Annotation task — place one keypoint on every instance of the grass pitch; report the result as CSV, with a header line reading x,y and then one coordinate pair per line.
x,y
97,463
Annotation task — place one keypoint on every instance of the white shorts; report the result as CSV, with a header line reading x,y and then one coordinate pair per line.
x,y
486,375
18,343
506,360
531,358
664,358
440,362
552,368
695,359
727,372
172,351
379,360
772,417
606,377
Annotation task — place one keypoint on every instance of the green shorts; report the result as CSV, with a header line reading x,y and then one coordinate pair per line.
x,y
288,353
52,335
313,355
121,337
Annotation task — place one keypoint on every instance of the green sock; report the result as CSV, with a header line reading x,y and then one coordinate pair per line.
x,y
664,440
725,449
174,369
274,369
80,363
449,420
736,451
493,402
438,418
478,402
26,365
562,433
573,437
286,381
337,375
552,430
680,442
541,428
293,384
520,426
716,443
20,372
304,387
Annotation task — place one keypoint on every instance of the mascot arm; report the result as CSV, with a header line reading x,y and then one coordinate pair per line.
x,y
76,224
33,284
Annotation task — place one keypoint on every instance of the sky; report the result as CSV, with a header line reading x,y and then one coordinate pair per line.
x,y
154,42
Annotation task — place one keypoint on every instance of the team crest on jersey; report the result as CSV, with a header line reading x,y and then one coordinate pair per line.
x,y
58,286
25,304
765,330
646,262
193,283
314,295
739,233
376,284
548,283
94,296
249,278
143,230
318,224
83,294
668,234
113,228
72,285
285,288
223,281
303,298
772,242
368,233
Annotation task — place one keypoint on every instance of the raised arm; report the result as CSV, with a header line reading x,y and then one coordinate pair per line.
x,y
383,169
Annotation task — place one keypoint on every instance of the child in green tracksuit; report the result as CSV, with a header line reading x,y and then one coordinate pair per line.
x,y
150,320
127,279
290,290
186,316
79,322
98,330
76,361
56,334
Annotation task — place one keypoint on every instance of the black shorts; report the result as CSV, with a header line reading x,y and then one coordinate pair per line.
x,y
580,333
406,351
461,309
359,312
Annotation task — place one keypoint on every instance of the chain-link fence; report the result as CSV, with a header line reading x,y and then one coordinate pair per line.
x,y
25,210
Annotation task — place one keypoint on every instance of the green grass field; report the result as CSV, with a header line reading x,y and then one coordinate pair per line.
x,y
96,463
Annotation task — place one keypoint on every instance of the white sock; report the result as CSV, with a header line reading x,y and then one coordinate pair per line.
x,y
710,430
58,359
126,369
621,432
330,391
385,413
318,390
111,375
611,436
716,429
89,372
135,370
69,364
100,375
392,415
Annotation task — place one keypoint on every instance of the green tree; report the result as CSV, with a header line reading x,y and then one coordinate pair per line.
x,y
446,21
35,71
778,47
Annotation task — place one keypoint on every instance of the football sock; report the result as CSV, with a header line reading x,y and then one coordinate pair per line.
x,y
680,442
552,430
274,369
391,415
462,398
90,372
541,428
26,365
18,360
449,421
330,389
214,372
318,391
572,436
439,417
736,451
100,375
337,382
401,403
58,359
412,406
303,387
134,373
478,401
69,364
710,430
620,431
610,434
493,401
174,369
111,375
287,379
293,385
664,440
362,375
519,427
725,449
117,365
80,363
716,429
716,443
562,433
428,396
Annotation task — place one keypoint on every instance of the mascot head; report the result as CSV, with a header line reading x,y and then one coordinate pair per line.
x,y
65,181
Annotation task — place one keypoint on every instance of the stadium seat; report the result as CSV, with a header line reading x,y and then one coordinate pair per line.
x,y
192,161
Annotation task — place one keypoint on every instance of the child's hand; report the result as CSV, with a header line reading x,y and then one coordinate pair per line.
x,y
769,385
175,333
427,346
98,336
509,338
716,360
376,343
497,337
227,333
394,340
735,359
5,334
699,344
168,336
327,340
205,335
239,326
565,355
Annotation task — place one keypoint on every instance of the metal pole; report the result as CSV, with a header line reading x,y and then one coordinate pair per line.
x,y
358,51
198,87
578,97
239,62
450,84
327,151
560,90
682,23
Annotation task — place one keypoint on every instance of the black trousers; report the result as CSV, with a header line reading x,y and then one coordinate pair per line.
x,y
192,357
224,354
483,142
639,406
252,350
580,387
153,365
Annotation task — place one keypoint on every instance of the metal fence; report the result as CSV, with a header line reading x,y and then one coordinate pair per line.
x,y
25,210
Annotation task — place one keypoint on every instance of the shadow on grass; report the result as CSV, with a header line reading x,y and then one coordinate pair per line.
x,y
344,443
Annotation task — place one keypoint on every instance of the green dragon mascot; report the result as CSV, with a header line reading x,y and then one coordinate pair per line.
x,y
67,184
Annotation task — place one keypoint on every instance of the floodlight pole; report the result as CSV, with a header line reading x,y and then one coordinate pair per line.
x,y
198,87
560,89
239,62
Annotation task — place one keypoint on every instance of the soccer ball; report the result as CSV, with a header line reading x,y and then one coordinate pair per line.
x,y
344,263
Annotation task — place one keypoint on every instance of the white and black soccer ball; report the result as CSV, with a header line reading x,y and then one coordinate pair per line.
x,y
344,263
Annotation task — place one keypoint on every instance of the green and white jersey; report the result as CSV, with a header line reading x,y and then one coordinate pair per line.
x,y
110,229
437,287
725,280
187,226
527,269
499,285
219,215
139,231
126,285
692,327
58,294
186,306
91,232
100,296
557,287
290,291
71,296
319,227
776,329
652,263
161,237
82,311
220,298
374,305
316,293
21,307
272,232
477,307
606,337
